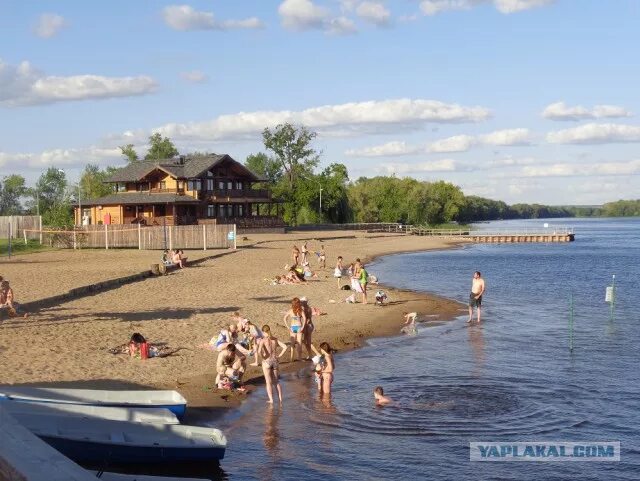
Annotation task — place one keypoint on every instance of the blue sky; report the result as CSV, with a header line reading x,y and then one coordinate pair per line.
x,y
517,100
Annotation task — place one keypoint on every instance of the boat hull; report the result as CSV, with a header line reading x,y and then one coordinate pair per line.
x,y
91,451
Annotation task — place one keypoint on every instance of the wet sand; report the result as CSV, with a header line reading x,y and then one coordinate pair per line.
x,y
67,345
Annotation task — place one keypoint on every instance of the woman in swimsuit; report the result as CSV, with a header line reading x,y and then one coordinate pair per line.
x,y
298,319
268,347
307,332
327,367
305,251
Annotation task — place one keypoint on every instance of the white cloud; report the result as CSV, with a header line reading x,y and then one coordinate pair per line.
x,y
442,165
194,76
385,116
389,149
186,18
300,15
511,162
25,85
433,7
457,143
513,6
462,143
595,134
61,158
340,26
507,137
374,12
583,169
560,111
49,24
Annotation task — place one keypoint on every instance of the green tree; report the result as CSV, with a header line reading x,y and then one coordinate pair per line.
x,y
55,204
291,147
160,148
130,153
92,182
12,189
264,166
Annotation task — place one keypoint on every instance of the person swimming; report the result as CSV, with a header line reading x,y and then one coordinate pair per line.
x,y
380,398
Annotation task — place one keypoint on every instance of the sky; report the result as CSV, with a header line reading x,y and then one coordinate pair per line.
x,y
514,100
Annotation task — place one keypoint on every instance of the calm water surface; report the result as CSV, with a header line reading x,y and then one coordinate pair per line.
x,y
511,379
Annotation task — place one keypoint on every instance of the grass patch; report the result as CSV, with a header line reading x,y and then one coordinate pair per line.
x,y
19,247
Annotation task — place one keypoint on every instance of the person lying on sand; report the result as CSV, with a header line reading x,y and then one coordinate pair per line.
x,y
380,398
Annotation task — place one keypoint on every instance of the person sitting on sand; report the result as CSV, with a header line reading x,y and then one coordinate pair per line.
x,y
230,363
381,298
380,398
167,258
409,326
227,336
183,258
327,368
7,300
176,259
270,365
294,276
240,321
138,346
308,273
295,319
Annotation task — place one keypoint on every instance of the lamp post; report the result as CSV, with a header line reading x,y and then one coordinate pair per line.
x,y
320,205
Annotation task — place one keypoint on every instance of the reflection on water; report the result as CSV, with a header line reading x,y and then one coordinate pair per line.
x,y
476,341
271,435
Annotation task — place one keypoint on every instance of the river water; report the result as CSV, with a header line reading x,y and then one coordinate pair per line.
x,y
513,378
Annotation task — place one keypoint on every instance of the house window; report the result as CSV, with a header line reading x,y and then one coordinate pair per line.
x,y
229,185
221,211
209,173
211,210
194,185
180,185
221,184
239,185
240,211
143,187
229,210
210,185
163,185
121,187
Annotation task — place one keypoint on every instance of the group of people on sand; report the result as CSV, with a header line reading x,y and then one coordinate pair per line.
x,y
242,339
7,300
359,279
174,257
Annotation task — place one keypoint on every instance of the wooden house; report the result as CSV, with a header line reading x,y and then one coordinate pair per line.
x,y
182,191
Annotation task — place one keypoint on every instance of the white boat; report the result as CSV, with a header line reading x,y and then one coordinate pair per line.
x,y
104,441
171,400
105,476
136,415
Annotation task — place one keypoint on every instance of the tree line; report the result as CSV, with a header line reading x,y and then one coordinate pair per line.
x,y
289,167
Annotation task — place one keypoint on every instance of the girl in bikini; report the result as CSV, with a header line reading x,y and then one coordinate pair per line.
x,y
268,347
295,319
327,367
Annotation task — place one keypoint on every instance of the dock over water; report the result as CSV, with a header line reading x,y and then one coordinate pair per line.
x,y
563,234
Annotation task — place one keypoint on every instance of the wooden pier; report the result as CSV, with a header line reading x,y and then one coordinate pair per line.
x,y
563,234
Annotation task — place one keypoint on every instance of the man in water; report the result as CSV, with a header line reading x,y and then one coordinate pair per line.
x,y
475,298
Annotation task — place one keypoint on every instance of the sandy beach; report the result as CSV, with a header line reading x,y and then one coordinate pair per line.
x,y
67,345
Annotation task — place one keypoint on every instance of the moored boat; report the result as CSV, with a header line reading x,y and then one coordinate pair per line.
x,y
171,400
136,415
104,441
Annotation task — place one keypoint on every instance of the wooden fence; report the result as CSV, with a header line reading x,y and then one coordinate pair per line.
x,y
208,236
17,224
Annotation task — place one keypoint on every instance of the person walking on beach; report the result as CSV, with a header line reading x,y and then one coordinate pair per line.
x,y
305,252
295,255
270,367
475,298
322,258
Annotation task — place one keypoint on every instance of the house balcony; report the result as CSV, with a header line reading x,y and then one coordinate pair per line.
x,y
223,194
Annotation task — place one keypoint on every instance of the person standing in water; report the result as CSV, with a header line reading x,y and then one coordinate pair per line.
x,y
475,298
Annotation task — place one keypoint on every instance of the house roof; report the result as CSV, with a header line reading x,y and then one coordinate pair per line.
x,y
179,168
126,198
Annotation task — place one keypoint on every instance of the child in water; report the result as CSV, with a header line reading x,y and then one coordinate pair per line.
x,y
409,326
380,398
